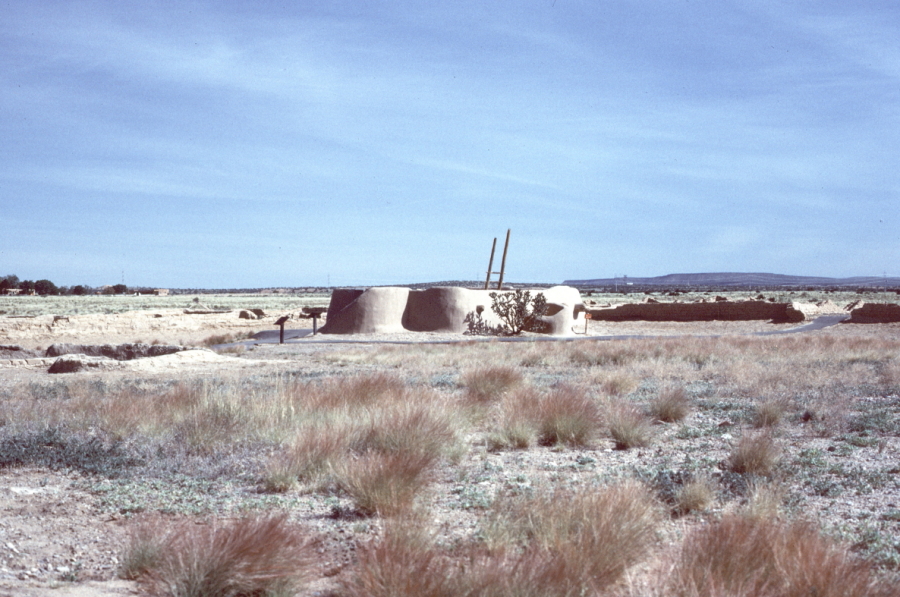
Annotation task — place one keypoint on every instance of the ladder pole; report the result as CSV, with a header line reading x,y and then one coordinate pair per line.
x,y
503,262
487,280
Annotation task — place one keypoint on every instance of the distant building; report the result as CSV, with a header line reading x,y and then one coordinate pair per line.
x,y
12,291
161,292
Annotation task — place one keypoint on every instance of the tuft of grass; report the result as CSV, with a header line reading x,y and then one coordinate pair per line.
x,y
618,384
487,384
417,427
769,412
566,415
695,496
573,543
251,556
403,562
370,389
384,484
765,500
401,425
145,549
309,459
516,426
670,405
628,426
217,339
754,454
236,350
746,556
604,354
354,391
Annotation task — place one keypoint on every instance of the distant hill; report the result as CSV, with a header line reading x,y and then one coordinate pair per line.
x,y
738,280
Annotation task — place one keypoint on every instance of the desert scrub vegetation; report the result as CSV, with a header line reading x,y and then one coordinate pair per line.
x,y
628,426
754,454
107,304
518,312
259,555
564,415
750,555
217,339
670,405
460,440
373,438
487,384
552,543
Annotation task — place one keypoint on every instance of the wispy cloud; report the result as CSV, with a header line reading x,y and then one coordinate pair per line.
x,y
658,137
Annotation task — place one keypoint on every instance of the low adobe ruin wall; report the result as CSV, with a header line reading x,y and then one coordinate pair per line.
x,y
441,309
875,313
718,311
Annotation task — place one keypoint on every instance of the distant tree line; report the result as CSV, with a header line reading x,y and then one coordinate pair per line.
x,y
46,287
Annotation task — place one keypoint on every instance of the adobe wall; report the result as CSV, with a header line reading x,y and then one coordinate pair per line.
x,y
440,309
875,313
715,311
372,311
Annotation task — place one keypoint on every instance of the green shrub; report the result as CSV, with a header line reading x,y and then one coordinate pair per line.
x,y
518,312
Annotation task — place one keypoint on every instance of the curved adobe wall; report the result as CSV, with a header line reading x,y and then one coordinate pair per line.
x,y
444,308
564,310
372,311
439,309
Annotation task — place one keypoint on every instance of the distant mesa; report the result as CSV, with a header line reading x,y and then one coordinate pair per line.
x,y
738,280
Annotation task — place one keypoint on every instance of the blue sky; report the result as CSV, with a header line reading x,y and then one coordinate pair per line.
x,y
258,144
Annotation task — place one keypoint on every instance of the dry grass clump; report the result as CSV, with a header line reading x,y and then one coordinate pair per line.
x,y
754,454
556,544
743,556
487,384
618,384
628,426
695,496
574,542
384,484
251,556
605,354
403,562
567,415
670,405
310,458
516,425
769,412
420,426
352,391
148,539
765,500
563,415
380,456
217,339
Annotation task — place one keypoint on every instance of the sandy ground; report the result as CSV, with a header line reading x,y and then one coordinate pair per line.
x,y
53,533
163,326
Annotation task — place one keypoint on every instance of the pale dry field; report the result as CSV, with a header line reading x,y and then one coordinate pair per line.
x,y
360,443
